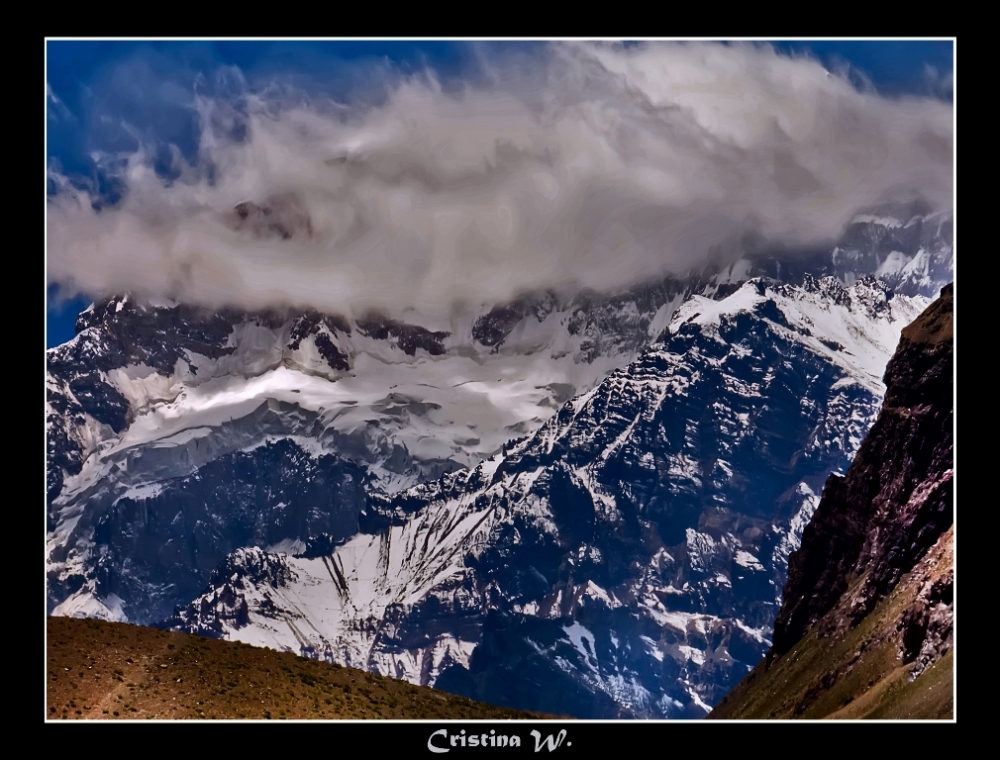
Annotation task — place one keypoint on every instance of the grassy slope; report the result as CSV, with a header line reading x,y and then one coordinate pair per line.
x,y
112,670
852,675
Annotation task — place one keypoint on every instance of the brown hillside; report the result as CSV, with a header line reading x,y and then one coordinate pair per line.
x,y
856,673
98,669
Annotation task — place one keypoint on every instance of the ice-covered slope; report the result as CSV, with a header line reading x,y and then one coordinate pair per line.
x,y
625,559
178,407
445,398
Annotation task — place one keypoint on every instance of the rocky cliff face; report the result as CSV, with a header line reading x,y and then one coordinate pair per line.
x,y
896,499
876,556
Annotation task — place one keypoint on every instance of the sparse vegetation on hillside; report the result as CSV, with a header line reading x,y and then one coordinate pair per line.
x,y
99,670
852,674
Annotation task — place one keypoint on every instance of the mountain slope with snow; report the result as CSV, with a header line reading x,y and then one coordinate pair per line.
x,y
867,626
627,558
177,435
169,406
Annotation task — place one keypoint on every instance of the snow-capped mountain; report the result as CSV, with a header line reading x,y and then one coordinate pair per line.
x,y
138,374
911,255
177,436
910,251
625,559
166,410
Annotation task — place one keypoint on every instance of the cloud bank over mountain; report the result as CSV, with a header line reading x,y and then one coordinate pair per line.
x,y
572,165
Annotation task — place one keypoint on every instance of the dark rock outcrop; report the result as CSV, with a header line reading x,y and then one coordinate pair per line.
x,y
160,546
493,328
869,602
227,607
278,217
408,337
896,498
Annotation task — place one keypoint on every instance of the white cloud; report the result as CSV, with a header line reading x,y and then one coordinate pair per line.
x,y
586,166
58,109
939,83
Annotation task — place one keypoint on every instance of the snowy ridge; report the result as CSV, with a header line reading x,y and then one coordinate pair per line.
x,y
457,407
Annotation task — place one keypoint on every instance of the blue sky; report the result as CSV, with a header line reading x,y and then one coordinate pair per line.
x,y
96,86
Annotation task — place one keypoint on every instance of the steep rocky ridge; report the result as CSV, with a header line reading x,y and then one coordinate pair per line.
x,y
876,561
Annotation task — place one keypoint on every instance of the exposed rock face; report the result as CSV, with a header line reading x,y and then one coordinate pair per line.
x,y
311,324
875,569
927,626
493,328
895,500
227,606
281,217
159,543
408,337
